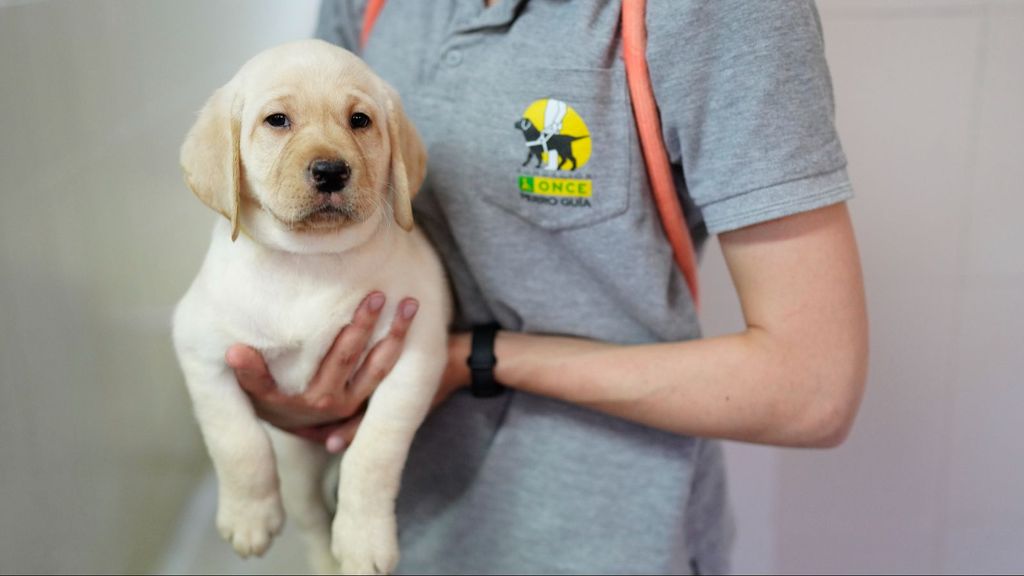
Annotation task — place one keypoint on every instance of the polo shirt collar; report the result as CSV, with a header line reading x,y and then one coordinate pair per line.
x,y
473,15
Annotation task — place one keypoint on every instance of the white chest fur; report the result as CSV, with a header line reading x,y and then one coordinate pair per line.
x,y
290,307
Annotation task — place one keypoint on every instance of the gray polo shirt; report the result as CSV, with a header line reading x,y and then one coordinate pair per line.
x,y
538,200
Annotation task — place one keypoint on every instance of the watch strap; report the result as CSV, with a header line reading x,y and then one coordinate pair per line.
x,y
481,362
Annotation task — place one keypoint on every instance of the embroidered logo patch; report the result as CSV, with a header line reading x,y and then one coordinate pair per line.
x,y
558,145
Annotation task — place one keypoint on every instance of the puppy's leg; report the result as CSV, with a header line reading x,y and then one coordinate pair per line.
x,y
249,511
301,465
365,536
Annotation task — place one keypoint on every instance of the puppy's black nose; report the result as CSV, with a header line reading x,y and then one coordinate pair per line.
x,y
329,175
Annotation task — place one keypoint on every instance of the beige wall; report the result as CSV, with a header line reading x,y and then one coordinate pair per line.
x,y
98,238
930,97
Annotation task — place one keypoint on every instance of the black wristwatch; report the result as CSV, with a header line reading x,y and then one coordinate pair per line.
x,y
481,363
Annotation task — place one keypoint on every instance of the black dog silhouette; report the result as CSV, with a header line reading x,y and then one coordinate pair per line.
x,y
560,143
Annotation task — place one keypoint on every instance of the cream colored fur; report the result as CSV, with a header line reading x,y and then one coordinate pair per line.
x,y
285,271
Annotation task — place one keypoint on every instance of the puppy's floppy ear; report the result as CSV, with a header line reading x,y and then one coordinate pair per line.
x,y
210,155
408,159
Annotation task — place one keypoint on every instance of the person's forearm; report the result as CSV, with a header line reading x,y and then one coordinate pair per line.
x,y
747,386
794,377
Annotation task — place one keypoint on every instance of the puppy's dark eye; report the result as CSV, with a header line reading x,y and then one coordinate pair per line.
x,y
359,120
278,120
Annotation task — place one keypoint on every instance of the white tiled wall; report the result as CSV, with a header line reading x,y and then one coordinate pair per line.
x,y
98,237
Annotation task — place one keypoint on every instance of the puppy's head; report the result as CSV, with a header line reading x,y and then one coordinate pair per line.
x,y
305,142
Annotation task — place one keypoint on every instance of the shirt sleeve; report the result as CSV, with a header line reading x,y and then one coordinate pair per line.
x,y
746,106
339,22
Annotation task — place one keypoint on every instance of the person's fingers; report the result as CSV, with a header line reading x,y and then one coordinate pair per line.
x,y
348,347
318,434
384,355
250,370
341,437
335,436
335,442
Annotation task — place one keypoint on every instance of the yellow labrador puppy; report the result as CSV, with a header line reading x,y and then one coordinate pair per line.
x,y
308,156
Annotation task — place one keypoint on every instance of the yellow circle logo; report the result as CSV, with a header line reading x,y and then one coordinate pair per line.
x,y
557,139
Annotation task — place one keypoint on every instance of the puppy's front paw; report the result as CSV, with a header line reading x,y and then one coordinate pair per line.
x,y
249,524
365,544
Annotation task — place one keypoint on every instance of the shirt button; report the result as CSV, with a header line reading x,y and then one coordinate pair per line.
x,y
453,58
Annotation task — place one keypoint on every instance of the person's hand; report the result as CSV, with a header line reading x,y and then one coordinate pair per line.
x,y
330,409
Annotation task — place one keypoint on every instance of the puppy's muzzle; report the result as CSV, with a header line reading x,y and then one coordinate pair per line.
x,y
329,175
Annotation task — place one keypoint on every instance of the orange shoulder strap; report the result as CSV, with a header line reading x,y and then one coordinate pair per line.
x,y
645,109
659,170
373,8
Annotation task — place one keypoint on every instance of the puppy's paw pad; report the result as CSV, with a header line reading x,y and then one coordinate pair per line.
x,y
250,524
366,546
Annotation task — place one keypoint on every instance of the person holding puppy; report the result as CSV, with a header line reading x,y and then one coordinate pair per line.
x,y
601,454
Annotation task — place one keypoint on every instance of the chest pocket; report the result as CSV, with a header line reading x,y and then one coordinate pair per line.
x,y
558,144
